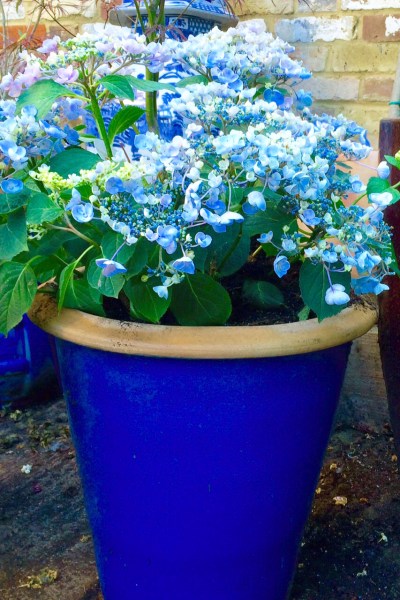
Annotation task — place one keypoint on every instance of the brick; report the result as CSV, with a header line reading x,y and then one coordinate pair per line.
x,y
311,29
369,4
317,6
13,11
14,33
314,56
374,29
377,88
107,6
327,88
365,57
261,7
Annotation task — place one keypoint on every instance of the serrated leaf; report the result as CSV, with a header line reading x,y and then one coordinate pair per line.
x,y
18,288
42,209
11,202
124,119
72,161
119,86
314,283
66,277
144,300
199,300
108,286
144,85
262,294
82,296
13,235
193,79
42,95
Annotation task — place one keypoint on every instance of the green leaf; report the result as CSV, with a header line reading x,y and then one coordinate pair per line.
x,y
304,313
46,267
228,251
108,286
138,259
42,209
82,296
18,288
393,161
272,219
111,242
124,119
192,80
53,241
144,300
13,237
376,185
11,202
314,283
262,294
66,278
145,85
119,85
199,300
66,275
72,160
43,94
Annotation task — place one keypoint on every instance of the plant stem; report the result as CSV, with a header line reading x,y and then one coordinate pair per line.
x,y
98,117
151,104
78,233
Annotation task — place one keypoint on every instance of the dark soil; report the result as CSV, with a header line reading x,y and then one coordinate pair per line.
x,y
351,549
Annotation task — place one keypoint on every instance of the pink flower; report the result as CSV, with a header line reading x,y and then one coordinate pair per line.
x,y
11,86
67,75
30,75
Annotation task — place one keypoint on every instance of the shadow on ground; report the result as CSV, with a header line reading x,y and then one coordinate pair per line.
x,y
351,549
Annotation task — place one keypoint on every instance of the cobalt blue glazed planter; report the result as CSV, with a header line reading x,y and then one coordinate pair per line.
x,y
26,365
199,472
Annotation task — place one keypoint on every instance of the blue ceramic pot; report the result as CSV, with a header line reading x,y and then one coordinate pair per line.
x,y
198,473
26,365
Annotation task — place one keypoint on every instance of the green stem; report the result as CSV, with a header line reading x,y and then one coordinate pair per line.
x,y
151,104
98,117
77,232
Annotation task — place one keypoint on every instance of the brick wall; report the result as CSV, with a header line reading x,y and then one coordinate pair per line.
x,y
344,43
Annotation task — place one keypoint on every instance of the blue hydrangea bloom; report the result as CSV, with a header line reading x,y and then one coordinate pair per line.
x,y
281,265
83,212
184,265
110,267
12,186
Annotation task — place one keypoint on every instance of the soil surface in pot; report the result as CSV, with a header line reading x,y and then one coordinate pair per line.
x,y
351,549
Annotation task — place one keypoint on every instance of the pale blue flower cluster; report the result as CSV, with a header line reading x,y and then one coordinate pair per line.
x,y
23,137
250,146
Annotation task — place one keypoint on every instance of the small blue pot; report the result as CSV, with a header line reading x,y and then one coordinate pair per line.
x,y
198,473
26,364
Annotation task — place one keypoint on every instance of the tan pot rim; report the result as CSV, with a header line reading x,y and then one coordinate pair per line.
x,y
223,342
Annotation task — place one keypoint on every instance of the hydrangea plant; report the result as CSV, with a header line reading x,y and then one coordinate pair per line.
x,y
163,226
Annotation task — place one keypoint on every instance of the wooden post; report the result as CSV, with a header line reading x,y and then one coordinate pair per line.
x,y
389,318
